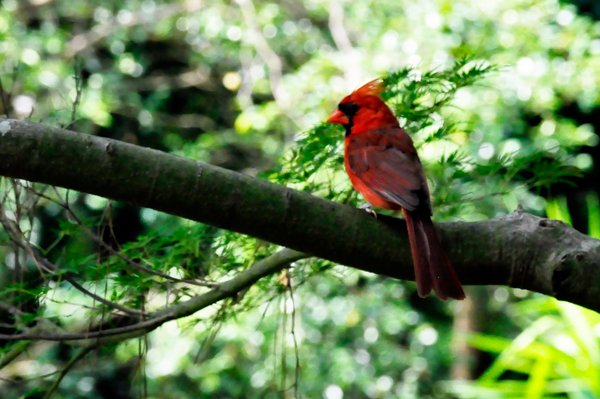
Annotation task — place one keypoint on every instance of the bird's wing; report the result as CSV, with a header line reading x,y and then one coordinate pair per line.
x,y
386,161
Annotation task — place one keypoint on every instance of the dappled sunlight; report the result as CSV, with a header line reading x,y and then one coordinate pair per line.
x,y
500,97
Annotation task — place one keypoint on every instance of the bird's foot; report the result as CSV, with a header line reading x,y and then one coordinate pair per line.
x,y
367,207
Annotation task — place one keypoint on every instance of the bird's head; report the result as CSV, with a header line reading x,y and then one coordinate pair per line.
x,y
363,110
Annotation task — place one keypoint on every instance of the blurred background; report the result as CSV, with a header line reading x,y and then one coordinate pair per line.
x,y
242,84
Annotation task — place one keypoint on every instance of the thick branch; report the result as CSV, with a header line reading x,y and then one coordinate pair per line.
x,y
518,250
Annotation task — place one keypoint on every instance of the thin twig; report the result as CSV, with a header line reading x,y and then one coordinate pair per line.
x,y
217,323
45,264
283,351
296,350
12,309
119,255
14,231
227,289
77,75
4,97
149,325
98,298
66,369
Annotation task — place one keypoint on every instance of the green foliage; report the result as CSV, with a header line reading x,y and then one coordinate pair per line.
x,y
593,208
418,97
422,99
558,353
189,77
558,349
556,208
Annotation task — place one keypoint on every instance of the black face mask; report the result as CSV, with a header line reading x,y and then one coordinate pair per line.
x,y
349,109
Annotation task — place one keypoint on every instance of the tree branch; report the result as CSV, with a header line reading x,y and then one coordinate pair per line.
x,y
517,250
227,289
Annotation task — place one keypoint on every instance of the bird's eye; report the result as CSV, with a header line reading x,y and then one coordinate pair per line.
x,y
349,109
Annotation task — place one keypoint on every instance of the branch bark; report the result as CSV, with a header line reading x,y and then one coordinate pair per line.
x,y
517,250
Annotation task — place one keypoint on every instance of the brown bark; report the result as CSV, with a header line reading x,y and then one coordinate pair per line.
x,y
517,250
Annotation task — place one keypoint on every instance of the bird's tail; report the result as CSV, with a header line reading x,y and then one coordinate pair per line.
x,y
432,267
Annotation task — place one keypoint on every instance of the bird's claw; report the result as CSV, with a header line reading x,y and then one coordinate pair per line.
x,y
367,208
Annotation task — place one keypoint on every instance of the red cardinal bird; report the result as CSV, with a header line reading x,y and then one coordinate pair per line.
x,y
384,167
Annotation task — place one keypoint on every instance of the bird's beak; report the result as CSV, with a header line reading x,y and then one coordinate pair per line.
x,y
338,117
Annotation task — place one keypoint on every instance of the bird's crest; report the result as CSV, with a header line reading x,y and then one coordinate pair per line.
x,y
373,88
